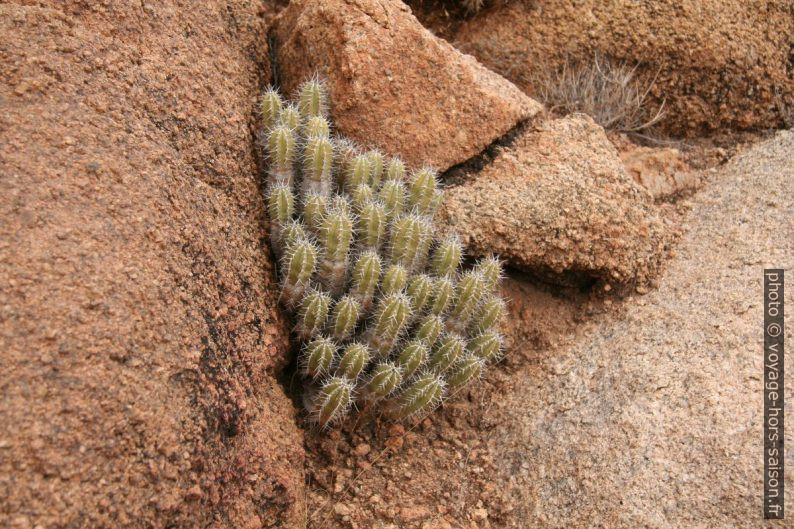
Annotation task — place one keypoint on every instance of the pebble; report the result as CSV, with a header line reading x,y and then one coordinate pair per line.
x,y
410,514
480,514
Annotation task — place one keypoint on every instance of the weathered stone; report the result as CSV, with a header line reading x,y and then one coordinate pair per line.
x,y
661,171
716,63
627,424
139,330
394,85
559,200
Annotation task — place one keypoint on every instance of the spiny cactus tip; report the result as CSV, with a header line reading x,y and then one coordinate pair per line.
x,y
313,98
332,401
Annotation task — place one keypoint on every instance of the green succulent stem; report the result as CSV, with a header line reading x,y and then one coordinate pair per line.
x,y
332,401
382,308
420,397
317,358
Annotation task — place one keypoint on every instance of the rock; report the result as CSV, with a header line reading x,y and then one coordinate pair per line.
x,y
611,428
480,514
139,328
414,513
559,201
720,64
661,171
394,85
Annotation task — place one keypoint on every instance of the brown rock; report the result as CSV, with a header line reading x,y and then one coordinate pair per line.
x,y
139,333
559,200
721,64
661,171
414,513
396,86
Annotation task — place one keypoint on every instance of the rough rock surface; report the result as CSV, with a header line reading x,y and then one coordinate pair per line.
x,y
396,86
645,420
662,171
559,200
644,414
139,334
721,64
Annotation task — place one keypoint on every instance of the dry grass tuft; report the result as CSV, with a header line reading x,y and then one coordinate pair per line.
x,y
607,91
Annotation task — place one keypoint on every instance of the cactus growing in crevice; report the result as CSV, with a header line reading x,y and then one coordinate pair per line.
x,y
290,117
317,358
331,401
345,318
313,314
422,394
382,308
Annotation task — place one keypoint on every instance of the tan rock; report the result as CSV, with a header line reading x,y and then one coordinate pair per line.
x,y
396,86
611,427
414,513
661,171
139,332
559,200
720,63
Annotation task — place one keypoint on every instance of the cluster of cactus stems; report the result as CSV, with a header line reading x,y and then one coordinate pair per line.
x,y
383,311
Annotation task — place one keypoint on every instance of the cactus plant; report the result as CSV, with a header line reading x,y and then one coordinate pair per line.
x,y
412,357
336,235
446,259
300,262
365,277
450,347
354,359
270,107
429,329
382,308
345,318
290,117
331,402
313,98
394,279
375,159
489,314
371,224
391,319
464,371
384,379
317,358
392,196
468,293
395,170
317,160
281,207
291,233
422,395
313,314
487,346
281,152
317,127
